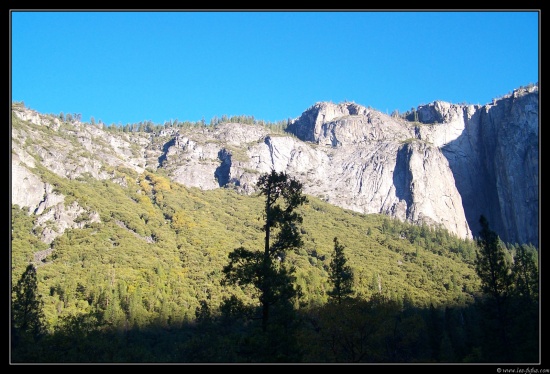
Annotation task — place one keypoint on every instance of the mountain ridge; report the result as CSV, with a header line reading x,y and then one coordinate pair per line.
x,y
349,155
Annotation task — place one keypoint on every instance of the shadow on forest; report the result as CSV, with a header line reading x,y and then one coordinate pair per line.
x,y
356,331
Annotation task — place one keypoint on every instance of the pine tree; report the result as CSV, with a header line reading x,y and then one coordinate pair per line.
x,y
27,307
526,274
341,275
266,270
525,305
491,265
496,281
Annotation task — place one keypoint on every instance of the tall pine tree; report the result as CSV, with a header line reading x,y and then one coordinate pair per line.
x,y
266,270
525,305
27,308
496,281
340,275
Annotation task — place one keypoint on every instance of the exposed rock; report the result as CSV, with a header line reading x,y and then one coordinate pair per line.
x,y
309,127
239,134
429,188
453,164
68,150
54,217
493,153
27,190
193,164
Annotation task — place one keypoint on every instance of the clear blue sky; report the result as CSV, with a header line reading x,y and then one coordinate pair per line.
x,y
132,66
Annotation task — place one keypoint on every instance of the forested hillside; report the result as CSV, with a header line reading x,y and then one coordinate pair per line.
x,y
144,284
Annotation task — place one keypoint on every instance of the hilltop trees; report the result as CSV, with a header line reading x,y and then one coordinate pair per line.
x,y
266,270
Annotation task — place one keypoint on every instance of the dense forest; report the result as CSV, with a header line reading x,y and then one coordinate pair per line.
x,y
177,275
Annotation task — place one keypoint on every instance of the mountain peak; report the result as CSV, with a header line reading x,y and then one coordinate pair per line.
x,y
307,127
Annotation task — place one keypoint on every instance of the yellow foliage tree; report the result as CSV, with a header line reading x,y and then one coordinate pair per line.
x,y
180,221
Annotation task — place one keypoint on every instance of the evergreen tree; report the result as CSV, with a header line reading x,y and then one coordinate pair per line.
x,y
27,307
496,281
525,305
491,265
526,274
341,274
266,271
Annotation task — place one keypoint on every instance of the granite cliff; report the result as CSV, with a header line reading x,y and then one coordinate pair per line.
x,y
444,164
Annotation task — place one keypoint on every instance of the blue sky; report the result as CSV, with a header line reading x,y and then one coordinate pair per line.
x,y
132,66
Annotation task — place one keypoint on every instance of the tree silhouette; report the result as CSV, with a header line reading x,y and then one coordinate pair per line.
x,y
341,274
496,282
27,313
491,263
266,271
525,305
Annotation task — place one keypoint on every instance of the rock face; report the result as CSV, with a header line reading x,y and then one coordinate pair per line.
x,y
493,151
451,165
378,164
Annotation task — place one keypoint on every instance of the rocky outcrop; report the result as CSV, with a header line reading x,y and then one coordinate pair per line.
x,y
68,148
424,180
493,152
454,163
54,217
348,123
27,190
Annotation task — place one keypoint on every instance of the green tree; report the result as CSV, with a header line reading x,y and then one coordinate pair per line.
x,y
341,275
491,265
266,270
525,273
27,307
525,305
496,281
